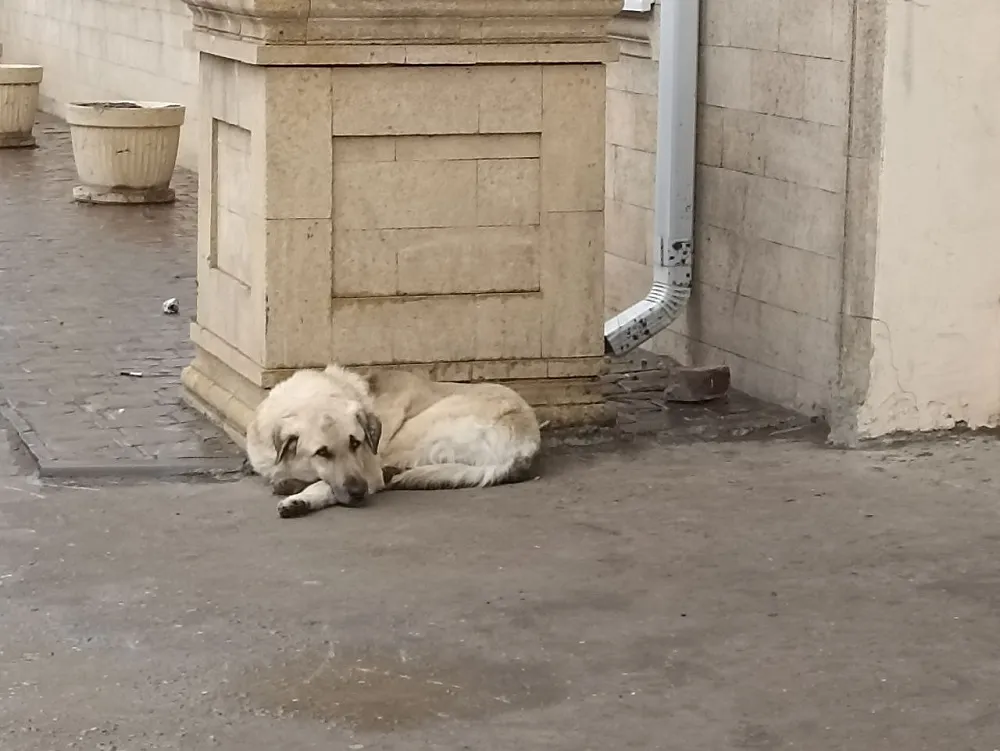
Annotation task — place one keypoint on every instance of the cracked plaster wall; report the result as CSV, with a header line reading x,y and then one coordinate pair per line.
x,y
935,322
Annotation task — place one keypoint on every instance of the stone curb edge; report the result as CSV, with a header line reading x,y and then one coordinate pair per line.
x,y
50,467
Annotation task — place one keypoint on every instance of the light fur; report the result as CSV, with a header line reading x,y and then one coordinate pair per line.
x,y
430,435
307,414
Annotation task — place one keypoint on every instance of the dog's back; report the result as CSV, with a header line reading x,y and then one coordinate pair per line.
x,y
421,392
446,435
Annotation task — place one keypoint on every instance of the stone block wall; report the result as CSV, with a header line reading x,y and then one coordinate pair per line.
x,y
771,184
454,211
484,260
107,49
630,162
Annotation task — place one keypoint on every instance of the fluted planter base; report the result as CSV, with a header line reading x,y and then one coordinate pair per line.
x,y
125,152
17,141
97,194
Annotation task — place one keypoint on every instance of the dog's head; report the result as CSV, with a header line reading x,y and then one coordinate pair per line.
x,y
338,445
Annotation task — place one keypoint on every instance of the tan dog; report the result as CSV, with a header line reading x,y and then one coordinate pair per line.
x,y
335,436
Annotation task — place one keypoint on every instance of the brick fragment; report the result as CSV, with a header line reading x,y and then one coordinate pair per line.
x,y
700,384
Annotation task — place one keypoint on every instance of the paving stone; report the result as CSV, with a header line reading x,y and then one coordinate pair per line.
x,y
636,384
80,295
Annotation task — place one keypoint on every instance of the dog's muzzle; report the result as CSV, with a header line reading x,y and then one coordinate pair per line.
x,y
357,492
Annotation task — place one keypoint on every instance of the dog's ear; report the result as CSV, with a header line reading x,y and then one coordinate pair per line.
x,y
371,381
373,429
285,446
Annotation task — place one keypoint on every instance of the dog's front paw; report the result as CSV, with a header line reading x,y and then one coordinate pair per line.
x,y
288,487
289,508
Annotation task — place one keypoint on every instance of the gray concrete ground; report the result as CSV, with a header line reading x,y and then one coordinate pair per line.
x,y
766,595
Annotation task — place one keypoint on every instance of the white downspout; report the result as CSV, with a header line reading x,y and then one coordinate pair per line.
x,y
675,167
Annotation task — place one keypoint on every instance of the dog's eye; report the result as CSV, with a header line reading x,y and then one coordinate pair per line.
x,y
354,443
323,453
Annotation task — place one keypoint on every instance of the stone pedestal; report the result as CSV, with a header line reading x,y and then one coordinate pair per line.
x,y
401,183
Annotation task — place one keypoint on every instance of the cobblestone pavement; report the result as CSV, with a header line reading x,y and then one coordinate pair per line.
x,y
81,289
635,385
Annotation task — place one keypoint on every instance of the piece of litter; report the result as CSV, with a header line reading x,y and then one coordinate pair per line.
x,y
171,307
131,373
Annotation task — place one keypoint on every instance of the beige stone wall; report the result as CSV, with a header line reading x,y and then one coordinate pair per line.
x,y
630,163
102,49
454,211
772,166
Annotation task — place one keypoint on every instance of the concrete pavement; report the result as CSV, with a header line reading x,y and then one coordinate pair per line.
x,y
767,595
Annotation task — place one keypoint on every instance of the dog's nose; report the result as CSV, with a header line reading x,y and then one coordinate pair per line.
x,y
357,490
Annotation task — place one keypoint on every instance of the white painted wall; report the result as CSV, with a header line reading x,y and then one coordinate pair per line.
x,y
936,332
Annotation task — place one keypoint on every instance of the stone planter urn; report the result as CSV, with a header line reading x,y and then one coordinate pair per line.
x,y
18,104
125,151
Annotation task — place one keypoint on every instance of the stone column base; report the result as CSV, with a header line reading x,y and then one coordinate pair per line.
x,y
224,396
228,398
